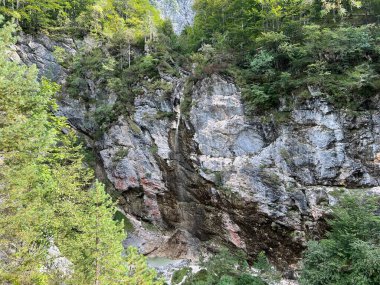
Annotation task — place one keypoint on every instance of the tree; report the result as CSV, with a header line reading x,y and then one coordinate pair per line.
x,y
138,271
47,196
339,8
350,253
110,18
28,135
224,268
34,15
96,250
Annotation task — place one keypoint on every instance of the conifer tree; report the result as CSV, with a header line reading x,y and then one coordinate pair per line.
x,y
46,194
350,253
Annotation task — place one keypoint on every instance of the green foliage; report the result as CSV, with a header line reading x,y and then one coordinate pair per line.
x,y
120,217
88,66
97,254
120,154
139,272
262,262
180,274
339,62
47,193
202,277
222,269
278,48
114,19
163,115
114,63
350,253
240,21
267,271
218,178
247,279
61,56
261,62
187,100
154,149
35,15
121,21
104,115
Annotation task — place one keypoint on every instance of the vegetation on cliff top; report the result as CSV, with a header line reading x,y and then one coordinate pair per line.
x,y
281,50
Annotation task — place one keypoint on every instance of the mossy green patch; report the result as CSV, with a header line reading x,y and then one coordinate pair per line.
x,y
128,226
179,275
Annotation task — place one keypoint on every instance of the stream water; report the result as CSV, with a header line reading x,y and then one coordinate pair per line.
x,y
156,262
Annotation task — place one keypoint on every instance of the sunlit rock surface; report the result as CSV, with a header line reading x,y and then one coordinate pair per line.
x,y
179,12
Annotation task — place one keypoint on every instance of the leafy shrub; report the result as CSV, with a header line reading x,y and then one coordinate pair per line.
x,y
224,268
340,62
104,115
120,154
247,279
257,97
179,275
62,56
261,62
146,64
262,262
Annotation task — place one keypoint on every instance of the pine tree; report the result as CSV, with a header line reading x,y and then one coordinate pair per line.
x,y
46,193
350,253
98,251
138,271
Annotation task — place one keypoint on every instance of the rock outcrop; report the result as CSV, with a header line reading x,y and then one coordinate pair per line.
x,y
219,176
203,173
179,12
39,51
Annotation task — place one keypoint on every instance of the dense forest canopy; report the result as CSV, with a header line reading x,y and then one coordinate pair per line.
x,y
34,15
80,16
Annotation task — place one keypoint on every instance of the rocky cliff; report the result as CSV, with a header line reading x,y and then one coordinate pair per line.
x,y
179,12
193,171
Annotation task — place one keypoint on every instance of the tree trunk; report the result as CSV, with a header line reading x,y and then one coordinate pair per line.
x,y
97,262
129,53
97,269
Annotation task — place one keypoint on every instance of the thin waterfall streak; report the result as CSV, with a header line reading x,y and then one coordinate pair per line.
x,y
177,130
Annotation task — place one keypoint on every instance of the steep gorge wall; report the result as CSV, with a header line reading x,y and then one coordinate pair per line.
x,y
195,165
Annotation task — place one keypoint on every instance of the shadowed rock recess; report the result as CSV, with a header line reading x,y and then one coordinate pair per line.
x,y
205,174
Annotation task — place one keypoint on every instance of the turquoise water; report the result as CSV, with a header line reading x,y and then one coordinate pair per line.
x,y
160,261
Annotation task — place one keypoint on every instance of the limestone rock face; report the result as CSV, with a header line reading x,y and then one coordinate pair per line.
x,y
179,12
250,182
57,262
39,50
318,145
130,165
209,174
